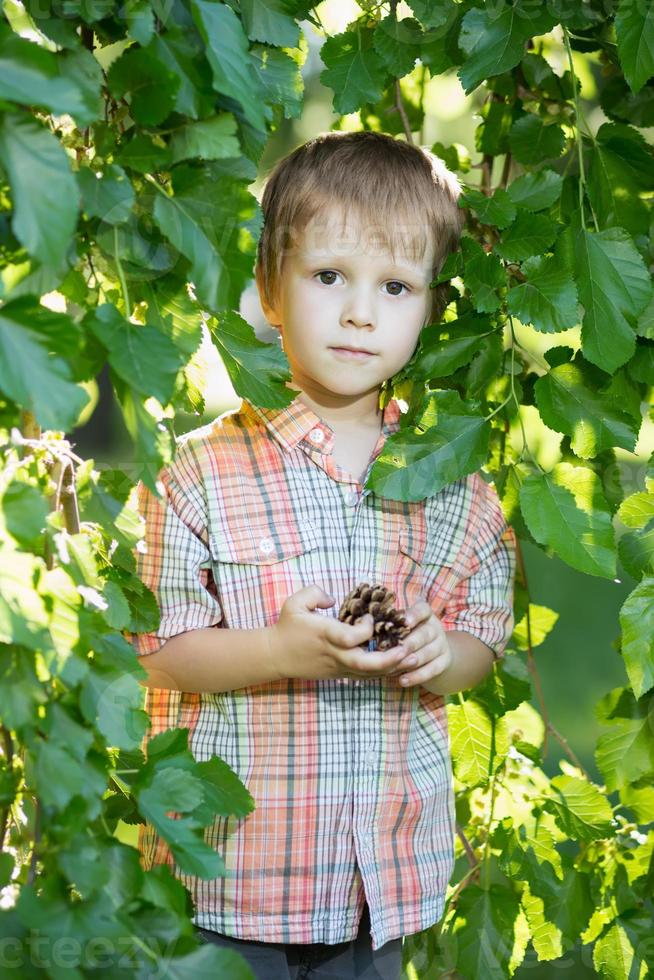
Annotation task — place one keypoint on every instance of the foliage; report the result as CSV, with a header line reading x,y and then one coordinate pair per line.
x,y
129,136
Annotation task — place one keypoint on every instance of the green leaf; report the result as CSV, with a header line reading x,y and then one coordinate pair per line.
x,y
224,792
227,51
614,287
616,954
637,510
397,42
43,187
353,70
183,51
506,687
22,693
620,165
148,81
498,209
494,44
641,366
432,13
143,356
415,463
209,139
281,78
637,625
32,377
579,808
625,753
636,551
142,155
203,220
153,441
269,22
536,191
258,371
531,141
111,700
475,753
140,21
568,402
542,621
108,195
68,82
175,789
528,235
445,347
483,275
484,931
24,511
548,298
566,510
634,28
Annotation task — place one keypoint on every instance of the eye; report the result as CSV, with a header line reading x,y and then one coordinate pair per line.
x,y
395,282
327,272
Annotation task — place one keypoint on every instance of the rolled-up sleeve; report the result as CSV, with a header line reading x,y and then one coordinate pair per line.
x,y
482,602
173,559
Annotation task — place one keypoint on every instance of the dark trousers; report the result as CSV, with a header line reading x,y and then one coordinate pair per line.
x,y
317,961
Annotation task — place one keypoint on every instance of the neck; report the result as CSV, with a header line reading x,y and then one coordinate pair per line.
x,y
339,411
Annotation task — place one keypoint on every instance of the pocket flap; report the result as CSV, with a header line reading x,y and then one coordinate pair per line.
x,y
263,544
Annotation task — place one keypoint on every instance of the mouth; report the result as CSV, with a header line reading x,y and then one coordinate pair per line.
x,y
357,352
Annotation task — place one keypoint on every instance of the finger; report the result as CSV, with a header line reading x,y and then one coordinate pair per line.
x,y
310,598
424,673
366,663
359,634
418,612
420,637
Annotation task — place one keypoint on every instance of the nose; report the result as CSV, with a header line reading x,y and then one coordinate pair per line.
x,y
358,308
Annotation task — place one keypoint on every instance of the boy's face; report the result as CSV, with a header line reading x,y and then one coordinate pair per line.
x,y
339,289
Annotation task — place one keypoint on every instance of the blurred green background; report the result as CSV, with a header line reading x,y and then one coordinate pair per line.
x,y
578,662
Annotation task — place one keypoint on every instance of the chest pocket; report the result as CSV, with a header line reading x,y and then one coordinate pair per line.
x,y
443,559
256,567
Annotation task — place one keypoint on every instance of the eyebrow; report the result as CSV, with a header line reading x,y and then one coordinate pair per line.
x,y
334,259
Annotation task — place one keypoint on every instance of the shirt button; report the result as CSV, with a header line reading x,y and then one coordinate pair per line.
x,y
266,545
371,759
317,436
351,498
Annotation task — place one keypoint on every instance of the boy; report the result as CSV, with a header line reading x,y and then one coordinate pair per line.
x,y
266,525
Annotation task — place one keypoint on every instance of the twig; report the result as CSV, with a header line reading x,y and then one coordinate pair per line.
x,y
8,756
486,170
399,102
531,660
467,846
31,874
506,171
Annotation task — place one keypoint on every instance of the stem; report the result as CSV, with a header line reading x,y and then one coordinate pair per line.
x,y
31,874
467,846
579,117
8,746
399,102
121,275
487,846
525,446
423,85
531,660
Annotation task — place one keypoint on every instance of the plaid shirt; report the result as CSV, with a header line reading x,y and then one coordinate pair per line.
x,y
352,778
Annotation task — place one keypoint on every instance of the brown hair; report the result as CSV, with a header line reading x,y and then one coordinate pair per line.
x,y
403,192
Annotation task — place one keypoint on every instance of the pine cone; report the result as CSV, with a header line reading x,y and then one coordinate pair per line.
x,y
390,625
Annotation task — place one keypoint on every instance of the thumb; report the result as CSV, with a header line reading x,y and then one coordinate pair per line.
x,y
312,597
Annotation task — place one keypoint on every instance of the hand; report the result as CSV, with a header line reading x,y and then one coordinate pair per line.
x,y
427,647
312,647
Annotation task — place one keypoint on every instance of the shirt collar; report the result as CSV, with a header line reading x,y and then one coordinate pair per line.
x,y
297,422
